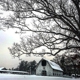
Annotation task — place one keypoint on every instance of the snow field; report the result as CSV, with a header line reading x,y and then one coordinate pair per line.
x,y
31,77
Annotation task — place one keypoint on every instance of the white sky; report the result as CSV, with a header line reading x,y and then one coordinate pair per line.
x,y
7,38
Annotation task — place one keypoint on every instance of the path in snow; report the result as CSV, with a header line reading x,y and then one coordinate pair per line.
x,y
31,77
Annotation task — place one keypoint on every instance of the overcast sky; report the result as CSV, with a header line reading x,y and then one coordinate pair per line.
x,y
7,38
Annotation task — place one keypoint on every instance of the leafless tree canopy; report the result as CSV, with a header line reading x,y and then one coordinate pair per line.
x,y
56,24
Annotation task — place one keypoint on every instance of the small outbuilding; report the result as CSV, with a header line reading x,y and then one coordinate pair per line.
x,y
2,68
48,68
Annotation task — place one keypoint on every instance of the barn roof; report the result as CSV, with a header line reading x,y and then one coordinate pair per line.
x,y
53,65
1,68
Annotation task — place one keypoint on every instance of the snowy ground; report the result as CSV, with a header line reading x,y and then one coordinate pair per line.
x,y
31,77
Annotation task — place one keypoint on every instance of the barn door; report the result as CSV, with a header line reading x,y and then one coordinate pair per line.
x,y
44,73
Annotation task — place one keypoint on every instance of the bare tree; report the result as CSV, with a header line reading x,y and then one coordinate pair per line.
x,y
56,24
70,63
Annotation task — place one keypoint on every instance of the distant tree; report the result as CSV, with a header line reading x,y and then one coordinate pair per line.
x,y
57,59
56,24
21,66
60,60
17,69
12,68
5,68
27,66
70,63
33,67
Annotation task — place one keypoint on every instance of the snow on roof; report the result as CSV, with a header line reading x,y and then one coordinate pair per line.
x,y
1,68
54,65
13,71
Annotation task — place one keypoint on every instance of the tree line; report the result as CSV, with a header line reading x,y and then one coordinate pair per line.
x,y
27,66
70,63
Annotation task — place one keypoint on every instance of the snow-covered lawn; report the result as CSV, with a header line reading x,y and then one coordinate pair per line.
x,y
31,77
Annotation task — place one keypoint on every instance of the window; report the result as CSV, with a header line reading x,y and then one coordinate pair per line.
x,y
43,63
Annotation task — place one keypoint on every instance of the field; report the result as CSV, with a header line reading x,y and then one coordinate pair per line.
x,y
31,77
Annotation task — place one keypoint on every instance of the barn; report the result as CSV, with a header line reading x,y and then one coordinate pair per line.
x,y
48,68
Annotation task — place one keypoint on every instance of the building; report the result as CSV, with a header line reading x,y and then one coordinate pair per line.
x,y
48,68
3,70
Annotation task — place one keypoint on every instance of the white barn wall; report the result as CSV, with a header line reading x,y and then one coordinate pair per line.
x,y
57,73
48,69
39,69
